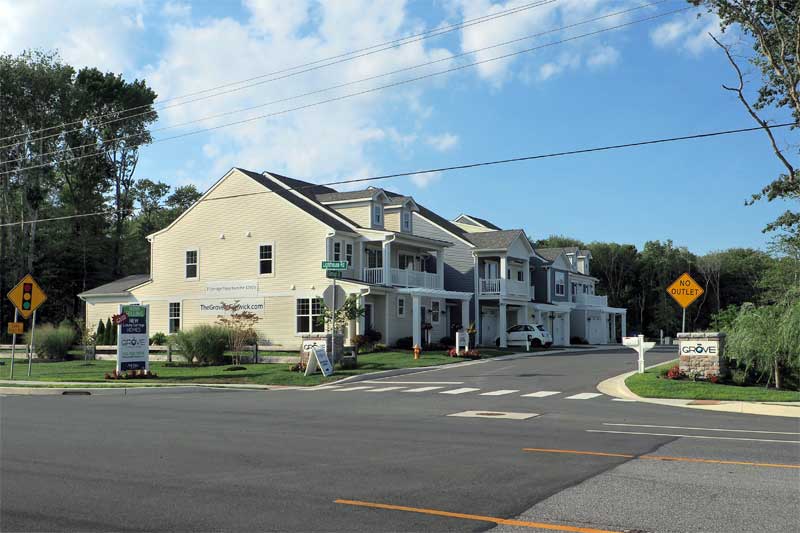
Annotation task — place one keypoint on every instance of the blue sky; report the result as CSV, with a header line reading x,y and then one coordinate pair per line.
x,y
655,79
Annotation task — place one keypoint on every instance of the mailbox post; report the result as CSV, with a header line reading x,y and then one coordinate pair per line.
x,y
638,343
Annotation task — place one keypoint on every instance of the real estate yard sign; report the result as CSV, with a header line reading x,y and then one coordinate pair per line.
x,y
133,341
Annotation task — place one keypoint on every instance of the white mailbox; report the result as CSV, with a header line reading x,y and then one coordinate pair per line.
x,y
638,343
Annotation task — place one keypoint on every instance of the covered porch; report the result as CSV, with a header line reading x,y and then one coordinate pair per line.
x,y
403,260
556,319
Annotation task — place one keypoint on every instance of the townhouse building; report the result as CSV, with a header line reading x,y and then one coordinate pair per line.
x,y
256,242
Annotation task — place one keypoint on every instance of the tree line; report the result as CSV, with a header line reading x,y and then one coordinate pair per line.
x,y
69,144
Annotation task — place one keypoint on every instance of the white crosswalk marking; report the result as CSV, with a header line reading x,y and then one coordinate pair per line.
x,y
584,396
502,392
541,394
385,389
325,387
423,389
459,391
348,389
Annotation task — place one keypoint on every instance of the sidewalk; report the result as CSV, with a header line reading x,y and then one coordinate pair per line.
x,y
616,387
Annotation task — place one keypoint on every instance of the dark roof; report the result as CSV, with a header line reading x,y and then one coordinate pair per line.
x,y
119,286
321,213
483,222
433,217
347,195
494,240
551,253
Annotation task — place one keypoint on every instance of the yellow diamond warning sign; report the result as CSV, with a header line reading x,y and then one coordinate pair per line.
x,y
27,296
685,290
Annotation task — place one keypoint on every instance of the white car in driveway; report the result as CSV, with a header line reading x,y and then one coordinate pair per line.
x,y
535,334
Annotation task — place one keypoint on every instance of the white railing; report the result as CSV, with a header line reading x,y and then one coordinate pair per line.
x,y
591,299
494,286
412,278
490,286
373,275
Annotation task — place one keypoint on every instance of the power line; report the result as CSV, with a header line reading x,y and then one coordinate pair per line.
x,y
366,91
464,166
329,61
355,82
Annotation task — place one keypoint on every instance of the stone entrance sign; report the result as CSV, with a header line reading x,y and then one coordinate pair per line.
x,y
701,353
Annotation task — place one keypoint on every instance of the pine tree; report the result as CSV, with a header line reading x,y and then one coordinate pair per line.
x,y
100,338
109,337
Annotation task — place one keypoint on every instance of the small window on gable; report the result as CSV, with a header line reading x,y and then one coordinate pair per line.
x,y
406,221
377,214
191,264
265,259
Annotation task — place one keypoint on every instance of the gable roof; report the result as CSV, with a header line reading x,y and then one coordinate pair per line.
x,y
118,287
436,219
552,253
495,240
347,195
304,188
476,221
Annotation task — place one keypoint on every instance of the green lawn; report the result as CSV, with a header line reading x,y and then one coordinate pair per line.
x,y
262,374
649,385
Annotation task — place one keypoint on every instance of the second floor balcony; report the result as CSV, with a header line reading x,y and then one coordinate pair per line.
x,y
504,287
594,300
402,278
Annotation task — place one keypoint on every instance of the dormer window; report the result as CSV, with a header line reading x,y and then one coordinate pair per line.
x,y
377,214
406,222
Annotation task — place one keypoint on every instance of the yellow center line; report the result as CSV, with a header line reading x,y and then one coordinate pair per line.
x,y
663,458
479,518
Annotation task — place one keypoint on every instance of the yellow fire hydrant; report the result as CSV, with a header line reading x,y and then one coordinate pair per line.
x,y
416,351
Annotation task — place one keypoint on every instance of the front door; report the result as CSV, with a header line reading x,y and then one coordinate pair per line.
x,y
558,329
488,326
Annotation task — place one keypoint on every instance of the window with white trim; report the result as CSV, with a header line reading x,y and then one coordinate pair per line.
x,y
406,221
265,259
435,310
192,264
374,258
174,317
520,275
337,251
348,254
561,288
401,307
377,214
309,311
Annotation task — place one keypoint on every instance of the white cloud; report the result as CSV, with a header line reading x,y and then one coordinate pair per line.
x,y
443,142
423,180
564,62
173,9
687,32
604,56
99,33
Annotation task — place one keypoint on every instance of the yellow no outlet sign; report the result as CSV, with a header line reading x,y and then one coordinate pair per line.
x,y
27,296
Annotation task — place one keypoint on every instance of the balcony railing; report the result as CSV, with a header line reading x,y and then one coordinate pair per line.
x,y
591,299
505,287
403,278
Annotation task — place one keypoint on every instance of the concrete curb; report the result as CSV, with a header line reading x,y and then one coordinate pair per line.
x,y
616,387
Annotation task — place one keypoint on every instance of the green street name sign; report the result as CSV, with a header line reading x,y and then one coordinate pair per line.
x,y
334,265
333,274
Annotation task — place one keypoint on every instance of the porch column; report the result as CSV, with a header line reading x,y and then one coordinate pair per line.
x,y
503,274
526,277
361,264
623,324
439,269
388,300
612,339
464,314
502,325
477,289
416,322
567,319
360,325
387,263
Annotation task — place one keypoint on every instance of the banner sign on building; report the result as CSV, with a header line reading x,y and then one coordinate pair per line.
x,y
228,289
230,306
133,339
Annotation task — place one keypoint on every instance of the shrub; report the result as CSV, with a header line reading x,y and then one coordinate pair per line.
x,y
379,347
111,333
373,335
578,340
51,342
739,377
205,342
447,341
158,339
675,373
100,336
405,343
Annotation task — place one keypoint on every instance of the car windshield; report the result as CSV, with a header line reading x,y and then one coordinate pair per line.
x,y
540,328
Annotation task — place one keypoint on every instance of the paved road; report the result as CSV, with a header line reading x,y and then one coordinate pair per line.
x,y
327,460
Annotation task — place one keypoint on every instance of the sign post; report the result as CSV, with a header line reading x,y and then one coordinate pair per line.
x,y
638,343
685,290
27,297
133,341
333,270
